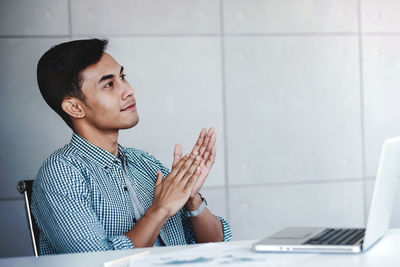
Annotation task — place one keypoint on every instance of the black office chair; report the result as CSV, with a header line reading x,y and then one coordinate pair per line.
x,y
25,188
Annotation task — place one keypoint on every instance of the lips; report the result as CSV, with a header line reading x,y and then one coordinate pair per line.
x,y
129,107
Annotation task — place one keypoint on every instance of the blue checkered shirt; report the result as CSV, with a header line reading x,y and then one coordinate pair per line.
x,y
81,203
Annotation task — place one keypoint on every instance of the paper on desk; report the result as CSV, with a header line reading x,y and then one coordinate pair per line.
x,y
217,254
124,261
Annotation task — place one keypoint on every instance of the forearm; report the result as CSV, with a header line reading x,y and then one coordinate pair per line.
x,y
206,227
146,230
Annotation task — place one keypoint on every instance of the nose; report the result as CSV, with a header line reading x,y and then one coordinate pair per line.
x,y
127,92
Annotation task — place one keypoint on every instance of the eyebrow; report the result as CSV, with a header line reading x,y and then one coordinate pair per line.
x,y
110,76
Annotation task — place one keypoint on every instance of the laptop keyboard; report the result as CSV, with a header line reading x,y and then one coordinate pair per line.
x,y
336,237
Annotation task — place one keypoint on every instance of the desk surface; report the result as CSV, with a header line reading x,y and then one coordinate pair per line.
x,y
384,253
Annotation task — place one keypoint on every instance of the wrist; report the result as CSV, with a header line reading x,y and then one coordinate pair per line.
x,y
193,203
160,213
195,209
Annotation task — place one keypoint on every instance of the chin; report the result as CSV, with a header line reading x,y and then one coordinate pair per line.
x,y
131,124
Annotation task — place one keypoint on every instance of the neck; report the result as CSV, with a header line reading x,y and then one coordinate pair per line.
x,y
105,139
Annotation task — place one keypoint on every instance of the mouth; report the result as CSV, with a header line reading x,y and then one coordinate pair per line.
x,y
130,107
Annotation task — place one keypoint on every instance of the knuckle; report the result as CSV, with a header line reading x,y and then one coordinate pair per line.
x,y
181,162
186,165
192,169
189,172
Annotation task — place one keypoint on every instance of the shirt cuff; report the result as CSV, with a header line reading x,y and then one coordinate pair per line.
x,y
121,242
226,229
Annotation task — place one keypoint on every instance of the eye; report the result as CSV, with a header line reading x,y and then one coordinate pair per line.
x,y
123,77
108,85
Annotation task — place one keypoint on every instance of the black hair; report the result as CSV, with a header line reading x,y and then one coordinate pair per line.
x,y
59,71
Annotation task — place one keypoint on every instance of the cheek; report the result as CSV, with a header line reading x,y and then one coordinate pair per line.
x,y
106,107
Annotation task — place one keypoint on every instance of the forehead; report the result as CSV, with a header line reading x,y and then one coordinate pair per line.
x,y
107,65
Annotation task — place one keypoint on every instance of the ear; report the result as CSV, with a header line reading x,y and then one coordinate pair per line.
x,y
73,107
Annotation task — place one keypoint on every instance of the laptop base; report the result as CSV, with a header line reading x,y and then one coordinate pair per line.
x,y
293,239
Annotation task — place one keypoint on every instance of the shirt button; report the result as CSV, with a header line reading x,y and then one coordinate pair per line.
x,y
125,188
116,161
106,167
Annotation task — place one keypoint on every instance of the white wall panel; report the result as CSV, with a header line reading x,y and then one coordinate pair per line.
x,y
293,109
260,211
381,95
15,238
145,17
216,200
178,91
281,16
39,17
380,15
30,129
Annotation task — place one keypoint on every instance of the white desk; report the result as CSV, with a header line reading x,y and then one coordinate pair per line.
x,y
385,253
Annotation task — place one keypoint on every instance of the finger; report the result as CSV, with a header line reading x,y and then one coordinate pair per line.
x,y
196,164
193,158
200,140
204,169
211,158
210,145
203,172
206,141
178,166
177,154
200,180
159,178
192,180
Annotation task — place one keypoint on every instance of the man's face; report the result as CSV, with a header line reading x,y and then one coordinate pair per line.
x,y
110,102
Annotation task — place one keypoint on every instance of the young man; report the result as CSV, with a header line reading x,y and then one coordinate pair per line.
x,y
94,194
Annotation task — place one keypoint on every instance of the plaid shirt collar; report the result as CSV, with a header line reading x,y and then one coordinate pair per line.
x,y
98,155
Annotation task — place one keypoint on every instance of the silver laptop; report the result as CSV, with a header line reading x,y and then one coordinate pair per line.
x,y
347,240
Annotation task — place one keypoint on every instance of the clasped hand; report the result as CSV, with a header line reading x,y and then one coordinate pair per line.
x,y
187,175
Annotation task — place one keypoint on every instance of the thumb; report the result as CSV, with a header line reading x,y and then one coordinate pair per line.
x,y
159,178
177,154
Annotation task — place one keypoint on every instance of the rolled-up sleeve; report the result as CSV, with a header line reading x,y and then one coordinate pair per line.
x,y
226,229
62,208
189,235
